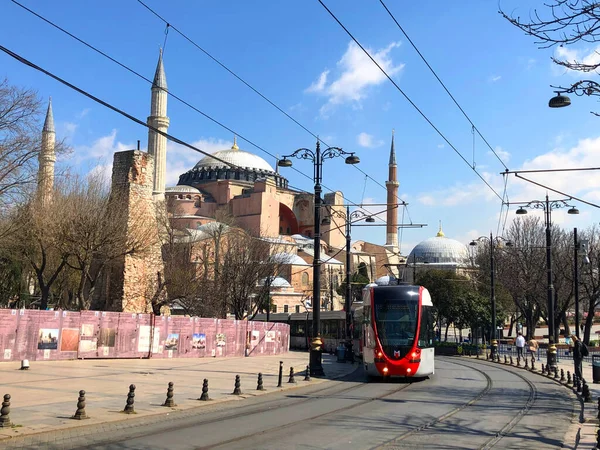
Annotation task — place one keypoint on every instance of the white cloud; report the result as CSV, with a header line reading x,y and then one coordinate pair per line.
x,y
83,113
502,154
366,140
70,128
578,56
440,146
495,78
99,155
357,73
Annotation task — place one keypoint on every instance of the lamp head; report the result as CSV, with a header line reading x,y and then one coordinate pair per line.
x,y
370,219
284,162
473,243
560,101
521,211
352,159
573,210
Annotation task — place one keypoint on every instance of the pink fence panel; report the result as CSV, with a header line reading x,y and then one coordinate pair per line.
x,y
9,323
68,345
89,330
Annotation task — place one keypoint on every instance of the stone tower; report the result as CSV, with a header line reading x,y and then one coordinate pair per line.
x,y
157,143
46,159
391,237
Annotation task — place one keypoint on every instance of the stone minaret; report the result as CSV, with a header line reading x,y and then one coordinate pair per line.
x,y
46,159
392,184
157,144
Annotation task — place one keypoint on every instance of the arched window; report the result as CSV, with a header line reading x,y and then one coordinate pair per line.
x,y
304,279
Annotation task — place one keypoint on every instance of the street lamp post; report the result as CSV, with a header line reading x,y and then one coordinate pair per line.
x,y
317,158
492,242
547,206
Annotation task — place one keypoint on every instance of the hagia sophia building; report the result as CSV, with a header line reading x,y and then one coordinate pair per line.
x,y
259,199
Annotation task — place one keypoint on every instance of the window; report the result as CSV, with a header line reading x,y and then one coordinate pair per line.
x,y
285,308
297,309
304,279
273,308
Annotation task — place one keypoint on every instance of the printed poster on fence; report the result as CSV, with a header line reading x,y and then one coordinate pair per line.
x,y
144,339
270,336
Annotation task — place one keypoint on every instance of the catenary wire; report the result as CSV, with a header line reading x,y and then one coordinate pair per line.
x,y
442,83
175,96
256,91
408,99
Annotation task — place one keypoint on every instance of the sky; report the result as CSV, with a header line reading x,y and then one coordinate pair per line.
x,y
296,55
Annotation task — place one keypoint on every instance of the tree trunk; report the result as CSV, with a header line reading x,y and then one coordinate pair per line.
x,y
565,322
512,323
446,333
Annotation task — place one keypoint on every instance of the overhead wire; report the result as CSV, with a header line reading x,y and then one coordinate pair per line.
x,y
171,94
474,127
413,104
256,91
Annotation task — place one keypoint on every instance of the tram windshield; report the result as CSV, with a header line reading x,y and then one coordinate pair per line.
x,y
396,312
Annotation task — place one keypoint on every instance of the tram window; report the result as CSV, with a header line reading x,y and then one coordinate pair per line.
x,y
426,331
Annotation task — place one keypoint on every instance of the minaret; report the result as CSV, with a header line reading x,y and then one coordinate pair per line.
x,y
46,159
157,143
392,184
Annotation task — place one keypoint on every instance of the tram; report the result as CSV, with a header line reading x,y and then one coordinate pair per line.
x,y
397,331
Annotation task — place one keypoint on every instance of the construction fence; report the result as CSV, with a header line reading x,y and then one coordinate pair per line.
x,y
55,335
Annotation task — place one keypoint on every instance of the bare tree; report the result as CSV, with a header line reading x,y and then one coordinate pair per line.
x,y
589,282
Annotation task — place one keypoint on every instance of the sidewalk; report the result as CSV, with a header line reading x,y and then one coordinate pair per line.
x,y
44,397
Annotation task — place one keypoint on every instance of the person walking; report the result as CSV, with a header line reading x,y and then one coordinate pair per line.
x,y
533,348
520,344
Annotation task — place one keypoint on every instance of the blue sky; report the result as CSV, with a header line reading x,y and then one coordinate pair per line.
x,y
295,54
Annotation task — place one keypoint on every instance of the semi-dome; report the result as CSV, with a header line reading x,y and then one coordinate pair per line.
x,y
438,250
236,157
182,189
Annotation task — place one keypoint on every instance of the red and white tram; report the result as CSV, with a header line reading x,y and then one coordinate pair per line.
x,y
397,331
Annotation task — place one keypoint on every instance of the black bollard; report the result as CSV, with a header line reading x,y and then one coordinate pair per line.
x,y
556,373
477,354
562,375
518,361
569,381
292,379
511,361
532,365
307,376
169,402
505,360
543,369
498,359
204,397
280,374
80,414
130,396
587,397
5,413
526,367
259,386
237,390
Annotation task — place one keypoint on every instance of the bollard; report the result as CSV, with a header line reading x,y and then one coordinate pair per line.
x,y
562,375
292,379
532,365
526,367
280,373
518,361
556,373
569,381
477,354
307,376
498,359
543,369
259,386
5,413
130,396
511,361
204,397
575,382
80,414
587,398
169,402
237,390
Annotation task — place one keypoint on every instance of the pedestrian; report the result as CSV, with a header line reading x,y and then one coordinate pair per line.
x,y
579,352
520,344
533,348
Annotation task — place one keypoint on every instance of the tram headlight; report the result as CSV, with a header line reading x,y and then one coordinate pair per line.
x,y
385,370
379,354
408,371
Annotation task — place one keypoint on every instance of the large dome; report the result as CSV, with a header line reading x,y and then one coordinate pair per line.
x,y
236,157
439,250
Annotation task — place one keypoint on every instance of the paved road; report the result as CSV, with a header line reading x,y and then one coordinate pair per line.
x,y
467,404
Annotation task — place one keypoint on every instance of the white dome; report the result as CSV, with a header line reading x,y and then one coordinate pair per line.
x,y
277,282
236,157
439,250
